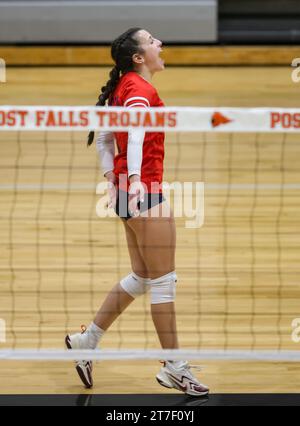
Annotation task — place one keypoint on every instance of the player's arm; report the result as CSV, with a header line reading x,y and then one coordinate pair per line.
x,y
134,160
134,164
135,154
136,98
106,151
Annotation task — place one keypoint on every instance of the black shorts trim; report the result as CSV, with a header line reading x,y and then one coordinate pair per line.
x,y
150,200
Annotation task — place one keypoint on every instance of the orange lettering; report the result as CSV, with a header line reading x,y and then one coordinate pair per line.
x,y
297,121
160,119
84,118
125,119
23,115
11,118
147,120
286,121
101,115
40,115
138,120
113,119
50,119
172,118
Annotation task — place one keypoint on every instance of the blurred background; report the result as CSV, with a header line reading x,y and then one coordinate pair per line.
x,y
196,33
186,21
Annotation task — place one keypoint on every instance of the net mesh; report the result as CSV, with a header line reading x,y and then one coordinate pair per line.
x,y
238,274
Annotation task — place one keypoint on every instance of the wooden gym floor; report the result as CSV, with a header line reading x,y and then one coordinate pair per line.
x,y
239,274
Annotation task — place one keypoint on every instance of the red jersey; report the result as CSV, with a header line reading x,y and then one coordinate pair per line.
x,y
133,91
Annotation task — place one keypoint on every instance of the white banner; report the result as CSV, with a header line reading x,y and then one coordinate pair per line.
x,y
173,119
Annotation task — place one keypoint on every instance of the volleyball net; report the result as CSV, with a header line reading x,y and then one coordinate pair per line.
x,y
237,240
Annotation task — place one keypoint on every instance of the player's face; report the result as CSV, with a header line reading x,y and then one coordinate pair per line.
x,y
152,49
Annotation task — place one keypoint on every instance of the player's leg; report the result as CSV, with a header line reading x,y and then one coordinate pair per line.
x,y
137,262
124,293
118,299
156,238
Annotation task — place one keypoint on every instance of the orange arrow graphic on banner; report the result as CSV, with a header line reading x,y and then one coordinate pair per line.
x,y
218,119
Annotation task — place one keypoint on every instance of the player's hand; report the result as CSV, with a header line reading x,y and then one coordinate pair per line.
x,y
111,190
136,193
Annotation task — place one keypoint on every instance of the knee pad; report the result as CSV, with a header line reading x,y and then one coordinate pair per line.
x,y
163,289
134,285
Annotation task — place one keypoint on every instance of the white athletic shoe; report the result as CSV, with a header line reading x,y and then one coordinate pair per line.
x,y
181,379
83,368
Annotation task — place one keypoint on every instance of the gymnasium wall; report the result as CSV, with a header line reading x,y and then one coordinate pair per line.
x,y
259,22
98,21
81,22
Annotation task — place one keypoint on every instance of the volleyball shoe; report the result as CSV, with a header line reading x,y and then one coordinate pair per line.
x,y
179,376
83,368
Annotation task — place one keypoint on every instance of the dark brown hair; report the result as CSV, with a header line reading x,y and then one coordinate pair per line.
x,y
122,51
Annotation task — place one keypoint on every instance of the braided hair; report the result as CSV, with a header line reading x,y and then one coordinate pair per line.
x,y
122,50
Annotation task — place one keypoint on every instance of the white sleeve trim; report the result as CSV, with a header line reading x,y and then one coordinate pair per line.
x,y
106,151
137,98
135,151
134,105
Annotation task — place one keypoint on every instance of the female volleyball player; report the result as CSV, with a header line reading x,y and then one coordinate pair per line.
x,y
137,171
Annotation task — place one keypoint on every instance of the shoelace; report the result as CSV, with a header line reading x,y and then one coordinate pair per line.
x,y
195,367
188,366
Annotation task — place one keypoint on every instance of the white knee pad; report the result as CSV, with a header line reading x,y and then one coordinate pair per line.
x,y
163,289
134,285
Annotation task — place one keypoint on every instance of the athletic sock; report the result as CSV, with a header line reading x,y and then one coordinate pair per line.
x,y
177,364
91,338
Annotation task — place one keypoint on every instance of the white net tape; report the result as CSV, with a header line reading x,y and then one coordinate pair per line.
x,y
135,354
174,119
